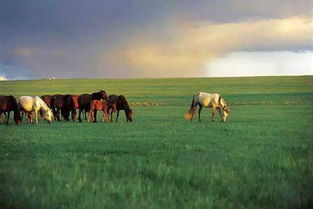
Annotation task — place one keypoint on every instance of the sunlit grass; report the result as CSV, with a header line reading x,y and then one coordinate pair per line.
x,y
260,158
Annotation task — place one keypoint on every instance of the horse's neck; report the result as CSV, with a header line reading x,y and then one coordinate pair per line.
x,y
43,105
223,103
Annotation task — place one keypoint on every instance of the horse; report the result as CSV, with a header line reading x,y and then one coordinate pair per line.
x,y
67,107
75,107
121,104
58,103
49,100
203,99
29,104
8,104
84,101
103,106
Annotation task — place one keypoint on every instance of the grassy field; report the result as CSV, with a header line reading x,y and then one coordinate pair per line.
x,y
262,157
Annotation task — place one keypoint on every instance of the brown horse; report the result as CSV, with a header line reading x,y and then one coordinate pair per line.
x,y
58,103
121,104
75,106
84,101
67,107
103,106
8,104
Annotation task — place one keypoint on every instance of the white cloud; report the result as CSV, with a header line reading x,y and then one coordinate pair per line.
x,y
191,45
262,64
2,77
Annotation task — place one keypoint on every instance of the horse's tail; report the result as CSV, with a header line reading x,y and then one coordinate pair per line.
x,y
192,109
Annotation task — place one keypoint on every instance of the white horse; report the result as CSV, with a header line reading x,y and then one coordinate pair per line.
x,y
36,104
203,99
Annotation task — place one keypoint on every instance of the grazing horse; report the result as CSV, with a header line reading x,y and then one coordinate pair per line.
x,y
203,99
75,107
84,101
58,104
36,104
49,100
67,107
103,106
8,104
121,104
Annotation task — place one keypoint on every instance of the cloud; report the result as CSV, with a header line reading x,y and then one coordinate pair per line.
x,y
262,63
2,77
191,46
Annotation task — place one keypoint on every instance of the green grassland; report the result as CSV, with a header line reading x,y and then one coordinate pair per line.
x,y
262,157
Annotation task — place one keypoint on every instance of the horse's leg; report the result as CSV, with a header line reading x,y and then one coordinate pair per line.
x,y
95,116
58,114
73,115
111,113
8,118
79,115
29,117
117,114
90,116
220,112
126,116
199,112
36,116
107,116
213,113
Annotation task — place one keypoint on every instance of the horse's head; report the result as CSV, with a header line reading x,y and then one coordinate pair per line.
x,y
103,95
129,115
226,111
18,114
18,118
48,116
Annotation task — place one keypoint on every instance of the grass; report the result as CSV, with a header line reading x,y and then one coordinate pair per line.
x,y
261,158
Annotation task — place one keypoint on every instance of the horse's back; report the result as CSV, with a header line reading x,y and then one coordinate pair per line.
x,y
84,101
207,99
27,103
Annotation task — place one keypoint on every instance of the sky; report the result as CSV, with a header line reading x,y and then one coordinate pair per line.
x,y
164,38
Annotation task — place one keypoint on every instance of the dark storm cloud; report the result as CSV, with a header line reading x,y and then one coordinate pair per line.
x,y
64,38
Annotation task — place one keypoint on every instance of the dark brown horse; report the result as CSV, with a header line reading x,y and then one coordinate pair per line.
x,y
121,104
58,104
84,101
67,107
8,104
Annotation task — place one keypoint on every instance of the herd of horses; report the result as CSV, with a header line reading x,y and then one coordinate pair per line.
x,y
66,106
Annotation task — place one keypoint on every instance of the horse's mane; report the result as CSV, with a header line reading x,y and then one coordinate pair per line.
x,y
43,104
124,102
97,95
222,101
